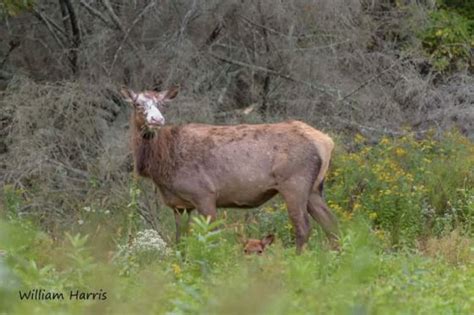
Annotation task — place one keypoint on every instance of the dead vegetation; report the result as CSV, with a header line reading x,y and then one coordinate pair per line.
x,y
453,247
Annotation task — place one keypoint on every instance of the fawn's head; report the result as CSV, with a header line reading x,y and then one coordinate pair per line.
x,y
254,246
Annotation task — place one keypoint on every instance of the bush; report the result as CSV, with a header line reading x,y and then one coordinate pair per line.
x,y
406,187
463,7
62,150
448,40
13,8
205,246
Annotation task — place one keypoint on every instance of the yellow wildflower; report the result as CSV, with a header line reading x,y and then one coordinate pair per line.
x,y
384,140
373,215
400,152
268,209
365,150
380,234
347,216
176,269
359,138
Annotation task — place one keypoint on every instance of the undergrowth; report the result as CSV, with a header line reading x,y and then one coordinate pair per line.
x,y
405,208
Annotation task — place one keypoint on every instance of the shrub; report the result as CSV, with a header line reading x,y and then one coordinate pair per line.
x,y
205,246
59,150
448,40
463,7
13,7
405,186
12,201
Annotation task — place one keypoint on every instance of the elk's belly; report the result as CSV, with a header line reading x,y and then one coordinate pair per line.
x,y
243,184
173,201
248,199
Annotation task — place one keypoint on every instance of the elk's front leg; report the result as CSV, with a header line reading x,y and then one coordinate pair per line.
x,y
180,227
177,221
207,207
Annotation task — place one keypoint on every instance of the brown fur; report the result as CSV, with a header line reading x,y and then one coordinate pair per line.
x,y
253,246
203,167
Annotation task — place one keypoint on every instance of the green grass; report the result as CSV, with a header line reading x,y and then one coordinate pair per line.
x,y
406,209
213,277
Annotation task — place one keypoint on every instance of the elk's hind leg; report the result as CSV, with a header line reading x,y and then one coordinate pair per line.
x,y
321,213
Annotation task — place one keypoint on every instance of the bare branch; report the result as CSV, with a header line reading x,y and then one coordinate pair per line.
x,y
65,16
127,33
320,87
114,16
45,21
96,13
187,17
76,34
366,82
13,46
332,45
370,130
214,34
56,26
252,23
266,80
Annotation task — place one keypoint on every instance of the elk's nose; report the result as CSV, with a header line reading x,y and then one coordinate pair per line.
x,y
158,121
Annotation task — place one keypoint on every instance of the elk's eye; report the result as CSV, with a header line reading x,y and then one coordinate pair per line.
x,y
260,251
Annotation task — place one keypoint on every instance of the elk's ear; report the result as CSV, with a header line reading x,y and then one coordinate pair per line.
x,y
168,95
172,92
267,240
128,95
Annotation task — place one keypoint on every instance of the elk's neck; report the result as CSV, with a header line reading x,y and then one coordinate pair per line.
x,y
142,151
154,154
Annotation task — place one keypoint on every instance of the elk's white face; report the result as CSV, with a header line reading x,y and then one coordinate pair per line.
x,y
149,103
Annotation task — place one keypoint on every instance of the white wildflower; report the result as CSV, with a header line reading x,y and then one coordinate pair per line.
x,y
149,241
147,247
